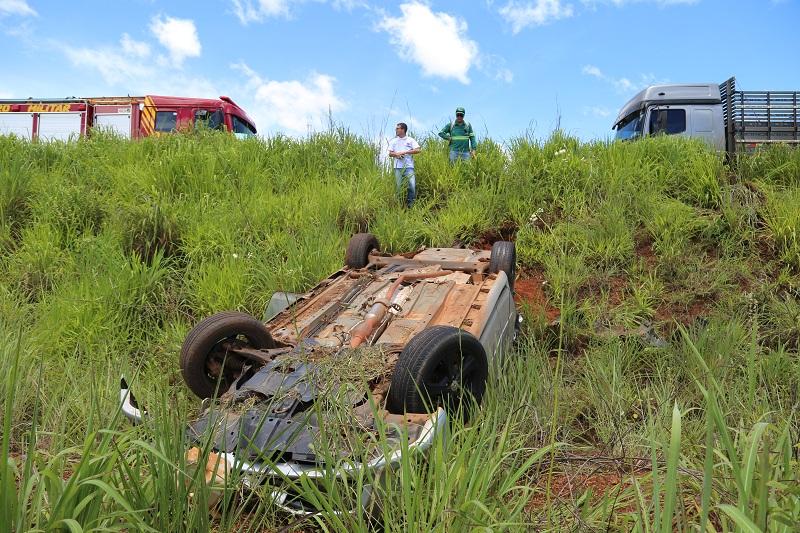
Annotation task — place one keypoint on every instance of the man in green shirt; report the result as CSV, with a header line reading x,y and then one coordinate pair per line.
x,y
460,137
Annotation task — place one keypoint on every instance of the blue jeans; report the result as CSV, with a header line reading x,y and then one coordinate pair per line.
x,y
406,174
455,156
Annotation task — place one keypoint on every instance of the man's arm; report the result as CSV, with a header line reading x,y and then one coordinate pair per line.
x,y
406,152
445,133
472,144
392,152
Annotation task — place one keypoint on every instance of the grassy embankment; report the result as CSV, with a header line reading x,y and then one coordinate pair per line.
x,y
655,387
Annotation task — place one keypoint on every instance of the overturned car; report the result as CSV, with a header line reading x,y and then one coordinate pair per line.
x,y
390,344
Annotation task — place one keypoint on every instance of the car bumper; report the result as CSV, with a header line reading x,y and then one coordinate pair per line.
x,y
256,475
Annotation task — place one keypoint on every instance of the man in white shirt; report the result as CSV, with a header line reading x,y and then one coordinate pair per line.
x,y
402,148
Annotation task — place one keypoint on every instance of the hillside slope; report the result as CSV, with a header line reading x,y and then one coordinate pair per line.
x,y
659,287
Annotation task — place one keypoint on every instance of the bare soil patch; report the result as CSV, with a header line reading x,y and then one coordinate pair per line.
x,y
529,290
644,250
506,232
602,475
685,314
613,285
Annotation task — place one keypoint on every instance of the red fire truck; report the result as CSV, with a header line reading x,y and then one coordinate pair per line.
x,y
130,117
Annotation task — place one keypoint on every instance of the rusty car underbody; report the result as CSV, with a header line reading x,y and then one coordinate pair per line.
x,y
326,372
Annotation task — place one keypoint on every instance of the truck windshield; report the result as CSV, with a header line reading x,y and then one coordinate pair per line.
x,y
630,127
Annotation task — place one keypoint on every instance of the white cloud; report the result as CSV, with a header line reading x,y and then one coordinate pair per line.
x,y
131,74
597,111
437,42
523,14
248,11
295,104
178,84
416,125
291,105
495,67
273,7
16,7
619,3
115,65
178,36
592,70
349,5
257,10
622,85
134,48
505,75
129,66
21,30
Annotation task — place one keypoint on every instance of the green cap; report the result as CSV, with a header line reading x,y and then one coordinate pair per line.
x,y
460,110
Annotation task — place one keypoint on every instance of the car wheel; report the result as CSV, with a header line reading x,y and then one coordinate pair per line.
x,y
504,257
442,366
358,249
204,363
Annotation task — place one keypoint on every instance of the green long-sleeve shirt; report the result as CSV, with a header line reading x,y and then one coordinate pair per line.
x,y
461,136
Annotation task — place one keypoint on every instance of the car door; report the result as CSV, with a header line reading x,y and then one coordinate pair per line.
x,y
498,332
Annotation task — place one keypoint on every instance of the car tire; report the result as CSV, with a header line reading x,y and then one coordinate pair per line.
x,y
440,366
504,257
202,346
358,249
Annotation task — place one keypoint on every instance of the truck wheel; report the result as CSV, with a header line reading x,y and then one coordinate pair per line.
x,y
442,366
504,257
358,249
204,365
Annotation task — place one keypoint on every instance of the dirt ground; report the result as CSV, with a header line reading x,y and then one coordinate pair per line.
x,y
602,475
529,290
506,232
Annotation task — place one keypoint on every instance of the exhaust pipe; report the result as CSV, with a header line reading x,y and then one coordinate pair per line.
x,y
377,312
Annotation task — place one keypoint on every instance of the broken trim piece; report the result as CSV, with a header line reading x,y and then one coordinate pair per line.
x,y
258,472
128,403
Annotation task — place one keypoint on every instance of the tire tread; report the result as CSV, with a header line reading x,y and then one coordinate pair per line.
x,y
403,394
232,322
358,249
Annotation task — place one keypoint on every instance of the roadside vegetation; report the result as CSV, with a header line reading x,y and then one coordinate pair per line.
x,y
654,389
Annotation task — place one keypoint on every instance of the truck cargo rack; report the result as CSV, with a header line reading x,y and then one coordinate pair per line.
x,y
759,117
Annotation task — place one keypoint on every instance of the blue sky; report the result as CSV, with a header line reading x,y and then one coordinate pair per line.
x,y
516,65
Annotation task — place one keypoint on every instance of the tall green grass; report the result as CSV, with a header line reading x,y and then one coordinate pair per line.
x,y
110,251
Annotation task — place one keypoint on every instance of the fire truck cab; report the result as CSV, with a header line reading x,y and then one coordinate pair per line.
x,y
129,117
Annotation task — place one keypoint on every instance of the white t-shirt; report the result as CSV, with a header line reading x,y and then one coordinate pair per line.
x,y
403,144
